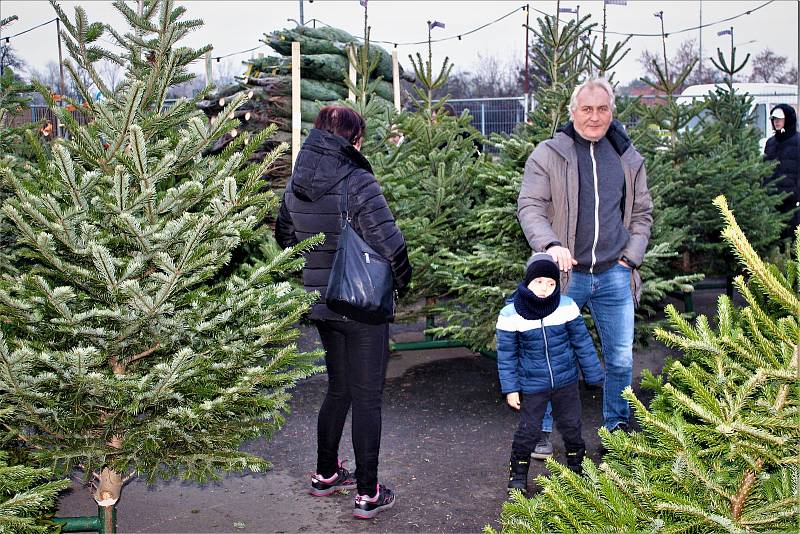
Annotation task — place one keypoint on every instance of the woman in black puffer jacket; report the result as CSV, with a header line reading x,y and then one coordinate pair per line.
x,y
356,353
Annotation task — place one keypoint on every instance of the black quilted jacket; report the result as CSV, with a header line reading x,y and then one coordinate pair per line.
x,y
785,148
311,205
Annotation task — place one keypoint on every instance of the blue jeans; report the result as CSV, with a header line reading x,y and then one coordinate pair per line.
x,y
610,302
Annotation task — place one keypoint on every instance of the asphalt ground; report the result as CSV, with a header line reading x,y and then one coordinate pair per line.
x,y
446,442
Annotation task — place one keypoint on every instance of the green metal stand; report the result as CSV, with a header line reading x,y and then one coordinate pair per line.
x,y
431,344
105,522
688,301
427,345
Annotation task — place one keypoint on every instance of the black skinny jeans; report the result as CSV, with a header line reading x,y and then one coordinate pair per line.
x,y
566,412
356,355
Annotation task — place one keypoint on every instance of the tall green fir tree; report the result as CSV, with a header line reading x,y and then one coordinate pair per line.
x,y
125,349
486,271
487,266
701,150
376,111
19,147
431,177
718,446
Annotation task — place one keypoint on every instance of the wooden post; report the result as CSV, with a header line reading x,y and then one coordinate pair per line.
x,y
351,96
208,68
295,101
396,79
59,127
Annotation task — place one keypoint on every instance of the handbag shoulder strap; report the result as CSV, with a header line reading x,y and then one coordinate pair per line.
x,y
344,203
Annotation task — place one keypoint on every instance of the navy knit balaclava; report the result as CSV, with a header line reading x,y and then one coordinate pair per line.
x,y
527,304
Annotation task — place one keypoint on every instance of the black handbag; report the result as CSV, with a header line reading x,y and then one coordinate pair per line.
x,y
361,284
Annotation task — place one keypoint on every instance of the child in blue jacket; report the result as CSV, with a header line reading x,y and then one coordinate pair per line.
x,y
541,340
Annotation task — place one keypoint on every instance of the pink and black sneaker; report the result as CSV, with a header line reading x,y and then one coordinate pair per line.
x,y
341,480
368,507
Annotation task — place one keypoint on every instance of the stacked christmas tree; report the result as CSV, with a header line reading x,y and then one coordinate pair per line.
x,y
324,70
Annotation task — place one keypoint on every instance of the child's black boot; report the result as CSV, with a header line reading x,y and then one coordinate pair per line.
x,y
575,458
518,472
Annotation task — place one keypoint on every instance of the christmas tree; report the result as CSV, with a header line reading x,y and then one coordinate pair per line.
x,y
717,450
703,150
27,497
20,147
378,116
432,178
486,271
125,349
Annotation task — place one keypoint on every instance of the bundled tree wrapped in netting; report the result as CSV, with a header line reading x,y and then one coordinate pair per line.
x,y
324,66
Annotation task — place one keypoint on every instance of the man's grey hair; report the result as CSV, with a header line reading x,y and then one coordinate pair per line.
x,y
593,82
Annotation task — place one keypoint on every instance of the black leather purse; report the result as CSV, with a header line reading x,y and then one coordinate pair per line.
x,y
361,284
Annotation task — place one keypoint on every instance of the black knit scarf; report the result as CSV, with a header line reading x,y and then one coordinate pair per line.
x,y
530,307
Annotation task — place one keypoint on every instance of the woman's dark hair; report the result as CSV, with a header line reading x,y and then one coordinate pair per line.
x,y
341,121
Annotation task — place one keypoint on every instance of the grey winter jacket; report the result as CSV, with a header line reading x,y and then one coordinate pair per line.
x,y
547,206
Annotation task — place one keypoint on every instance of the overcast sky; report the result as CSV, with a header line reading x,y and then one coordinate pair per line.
x,y
235,25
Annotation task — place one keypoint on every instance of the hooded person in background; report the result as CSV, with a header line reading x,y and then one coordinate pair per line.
x,y
784,147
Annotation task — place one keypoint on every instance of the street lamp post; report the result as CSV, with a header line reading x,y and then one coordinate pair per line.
x,y
700,30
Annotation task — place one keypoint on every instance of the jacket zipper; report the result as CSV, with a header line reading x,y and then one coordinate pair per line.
x,y
547,355
596,209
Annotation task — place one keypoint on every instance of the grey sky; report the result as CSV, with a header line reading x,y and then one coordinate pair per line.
x,y
234,25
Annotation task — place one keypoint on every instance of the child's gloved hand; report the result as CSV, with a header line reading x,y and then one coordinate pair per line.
x,y
513,400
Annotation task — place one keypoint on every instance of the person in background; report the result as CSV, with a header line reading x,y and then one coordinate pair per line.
x,y
784,147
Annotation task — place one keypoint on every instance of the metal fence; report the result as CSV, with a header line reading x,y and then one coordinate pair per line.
x,y
43,115
492,115
39,114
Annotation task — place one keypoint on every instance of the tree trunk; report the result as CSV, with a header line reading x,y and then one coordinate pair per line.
x,y
108,488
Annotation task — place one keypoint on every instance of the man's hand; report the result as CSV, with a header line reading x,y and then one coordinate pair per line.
x,y
625,263
513,400
563,257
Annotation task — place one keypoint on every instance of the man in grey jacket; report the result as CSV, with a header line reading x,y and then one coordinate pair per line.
x,y
584,200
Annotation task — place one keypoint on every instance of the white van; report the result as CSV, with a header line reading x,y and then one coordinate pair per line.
x,y
765,97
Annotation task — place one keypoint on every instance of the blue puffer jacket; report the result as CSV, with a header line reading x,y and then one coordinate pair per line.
x,y
538,355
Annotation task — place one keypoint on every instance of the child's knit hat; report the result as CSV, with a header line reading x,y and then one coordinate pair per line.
x,y
526,303
542,264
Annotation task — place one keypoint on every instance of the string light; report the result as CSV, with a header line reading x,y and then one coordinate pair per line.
x,y
459,36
